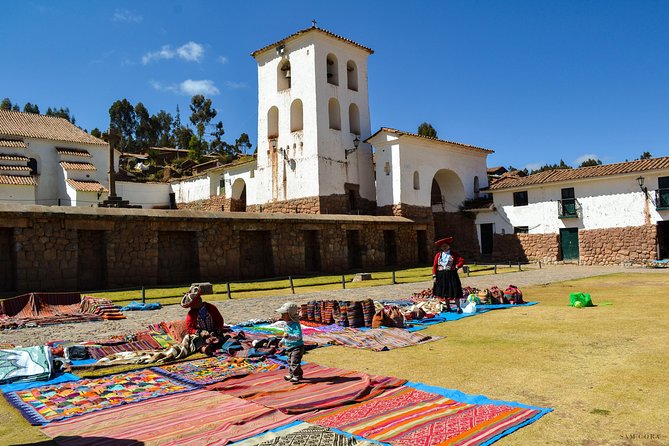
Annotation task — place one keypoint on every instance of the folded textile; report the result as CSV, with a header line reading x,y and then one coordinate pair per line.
x,y
376,339
138,306
302,434
25,364
148,343
37,309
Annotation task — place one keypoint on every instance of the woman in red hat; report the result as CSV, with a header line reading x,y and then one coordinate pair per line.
x,y
202,316
445,271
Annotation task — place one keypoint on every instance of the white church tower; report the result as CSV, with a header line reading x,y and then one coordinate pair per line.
x,y
313,114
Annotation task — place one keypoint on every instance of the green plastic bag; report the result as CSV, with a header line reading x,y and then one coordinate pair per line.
x,y
580,300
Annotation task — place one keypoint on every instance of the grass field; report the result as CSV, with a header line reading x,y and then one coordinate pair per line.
x,y
604,370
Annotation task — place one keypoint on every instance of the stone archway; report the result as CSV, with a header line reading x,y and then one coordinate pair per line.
x,y
238,198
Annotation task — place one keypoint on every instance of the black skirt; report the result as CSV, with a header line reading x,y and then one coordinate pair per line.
x,y
447,285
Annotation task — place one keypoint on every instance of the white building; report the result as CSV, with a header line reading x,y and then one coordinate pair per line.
x,y
49,161
611,213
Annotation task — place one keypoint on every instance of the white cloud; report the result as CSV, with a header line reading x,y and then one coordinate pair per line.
x,y
222,59
236,85
534,166
191,52
123,15
189,87
192,87
585,157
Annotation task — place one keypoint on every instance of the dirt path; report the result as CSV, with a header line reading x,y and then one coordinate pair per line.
x,y
239,310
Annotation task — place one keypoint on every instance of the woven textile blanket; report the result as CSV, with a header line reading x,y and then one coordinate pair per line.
x,y
303,434
42,309
25,364
145,344
376,339
211,370
409,417
186,419
49,403
321,388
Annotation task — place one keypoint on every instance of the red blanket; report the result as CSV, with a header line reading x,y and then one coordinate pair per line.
x,y
42,309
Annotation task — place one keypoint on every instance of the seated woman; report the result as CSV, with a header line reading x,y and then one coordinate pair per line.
x,y
202,316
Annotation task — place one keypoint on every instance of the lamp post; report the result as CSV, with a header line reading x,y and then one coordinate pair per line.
x,y
640,180
356,143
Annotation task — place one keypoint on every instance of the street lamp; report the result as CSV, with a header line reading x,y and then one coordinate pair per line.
x,y
356,143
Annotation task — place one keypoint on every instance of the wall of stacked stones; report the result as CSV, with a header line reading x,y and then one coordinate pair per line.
x,y
50,250
615,246
526,247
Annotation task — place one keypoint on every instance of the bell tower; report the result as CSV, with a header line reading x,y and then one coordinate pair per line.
x,y
313,114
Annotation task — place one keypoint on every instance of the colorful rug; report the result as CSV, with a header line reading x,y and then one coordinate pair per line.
x,y
303,434
146,344
42,309
410,417
211,370
376,339
321,388
187,419
50,403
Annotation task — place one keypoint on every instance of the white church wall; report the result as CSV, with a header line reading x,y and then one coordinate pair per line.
x,y
148,195
246,173
17,194
191,189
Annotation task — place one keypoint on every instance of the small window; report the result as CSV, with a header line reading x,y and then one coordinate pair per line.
x,y
521,230
32,164
568,193
520,198
296,116
662,193
332,69
283,76
354,119
416,181
334,114
352,76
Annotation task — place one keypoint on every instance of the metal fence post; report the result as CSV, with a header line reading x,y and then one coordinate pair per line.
x,y
228,287
519,269
394,281
143,295
495,268
343,281
292,288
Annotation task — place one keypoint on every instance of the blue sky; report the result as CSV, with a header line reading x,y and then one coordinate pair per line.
x,y
536,81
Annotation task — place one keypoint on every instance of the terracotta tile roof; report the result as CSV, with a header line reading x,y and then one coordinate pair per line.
x,y
14,167
71,165
12,143
12,157
308,30
561,175
416,135
86,186
18,180
73,152
31,125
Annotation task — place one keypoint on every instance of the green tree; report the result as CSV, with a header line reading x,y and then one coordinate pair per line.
x,y
96,132
217,144
201,114
195,148
645,156
123,119
30,108
62,112
243,144
426,129
181,134
6,104
161,125
590,162
545,167
144,134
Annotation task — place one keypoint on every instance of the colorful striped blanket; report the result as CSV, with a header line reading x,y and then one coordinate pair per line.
x,y
376,339
42,309
410,417
321,388
145,344
187,419
304,434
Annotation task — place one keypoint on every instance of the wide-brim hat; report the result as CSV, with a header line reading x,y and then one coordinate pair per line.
x,y
291,309
444,241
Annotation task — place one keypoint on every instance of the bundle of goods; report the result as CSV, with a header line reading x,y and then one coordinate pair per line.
x,y
389,317
513,295
496,295
422,296
423,310
484,296
104,308
176,330
344,313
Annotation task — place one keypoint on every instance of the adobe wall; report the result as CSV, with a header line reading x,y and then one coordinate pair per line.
x,y
140,247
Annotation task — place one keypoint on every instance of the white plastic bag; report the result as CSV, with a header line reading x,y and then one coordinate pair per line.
x,y
470,308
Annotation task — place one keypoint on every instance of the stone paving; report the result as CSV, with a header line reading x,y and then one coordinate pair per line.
x,y
238,310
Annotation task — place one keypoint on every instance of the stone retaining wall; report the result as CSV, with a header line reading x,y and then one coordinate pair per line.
x,y
49,247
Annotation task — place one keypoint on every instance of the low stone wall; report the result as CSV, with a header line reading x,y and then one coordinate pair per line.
x,y
49,247
214,203
526,247
614,246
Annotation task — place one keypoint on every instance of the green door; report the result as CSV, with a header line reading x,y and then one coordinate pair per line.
x,y
569,243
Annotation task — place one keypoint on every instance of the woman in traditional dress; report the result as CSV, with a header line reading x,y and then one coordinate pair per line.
x,y
447,284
